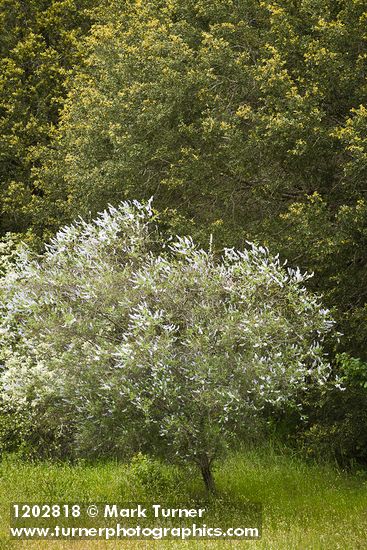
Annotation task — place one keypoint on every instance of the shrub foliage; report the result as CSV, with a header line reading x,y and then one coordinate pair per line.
x,y
116,340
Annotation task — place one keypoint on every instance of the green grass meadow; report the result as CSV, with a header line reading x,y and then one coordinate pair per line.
x,y
305,505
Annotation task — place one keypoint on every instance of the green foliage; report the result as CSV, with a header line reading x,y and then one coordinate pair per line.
x,y
154,111
245,120
36,435
155,477
334,248
39,48
353,370
11,432
337,428
8,253
336,420
117,341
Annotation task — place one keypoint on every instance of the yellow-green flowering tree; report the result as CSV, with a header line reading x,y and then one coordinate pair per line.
x,y
39,47
234,115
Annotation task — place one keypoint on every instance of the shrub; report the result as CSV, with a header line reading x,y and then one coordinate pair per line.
x,y
155,346
336,428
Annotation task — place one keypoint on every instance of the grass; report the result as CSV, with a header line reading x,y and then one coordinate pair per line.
x,y
305,505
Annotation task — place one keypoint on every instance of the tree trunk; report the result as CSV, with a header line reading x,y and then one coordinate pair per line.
x,y
206,472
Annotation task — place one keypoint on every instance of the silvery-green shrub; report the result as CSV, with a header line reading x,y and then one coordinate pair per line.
x,y
134,343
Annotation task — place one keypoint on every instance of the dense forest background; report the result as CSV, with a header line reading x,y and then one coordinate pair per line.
x,y
245,120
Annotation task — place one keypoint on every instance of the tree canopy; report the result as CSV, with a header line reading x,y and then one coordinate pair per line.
x,y
245,120
39,48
